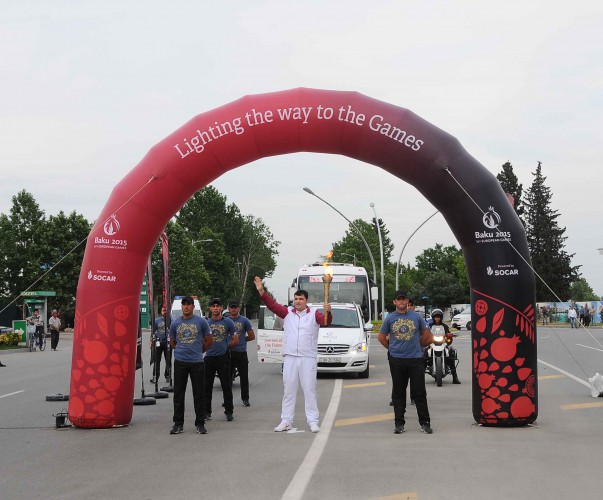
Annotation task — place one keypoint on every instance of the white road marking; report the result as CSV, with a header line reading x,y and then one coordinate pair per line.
x,y
11,394
588,347
302,477
567,374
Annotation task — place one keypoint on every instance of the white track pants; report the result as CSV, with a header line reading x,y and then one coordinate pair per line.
x,y
299,370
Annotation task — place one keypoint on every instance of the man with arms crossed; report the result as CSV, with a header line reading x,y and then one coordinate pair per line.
x,y
189,338
404,333
300,351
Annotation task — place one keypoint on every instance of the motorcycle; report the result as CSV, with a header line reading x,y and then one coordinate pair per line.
x,y
439,357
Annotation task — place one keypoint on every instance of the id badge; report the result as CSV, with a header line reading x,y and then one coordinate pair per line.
x,y
158,343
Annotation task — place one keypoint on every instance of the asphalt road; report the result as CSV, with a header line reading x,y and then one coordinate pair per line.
x,y
355,456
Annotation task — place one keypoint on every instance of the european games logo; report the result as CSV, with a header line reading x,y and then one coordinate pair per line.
x,y
111,226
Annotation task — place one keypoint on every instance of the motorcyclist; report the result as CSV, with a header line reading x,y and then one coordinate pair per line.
x,y
437,317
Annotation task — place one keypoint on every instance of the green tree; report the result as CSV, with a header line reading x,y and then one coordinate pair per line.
x,y
352,244
240,246
580,290
546,242
63,245
510,184
20,246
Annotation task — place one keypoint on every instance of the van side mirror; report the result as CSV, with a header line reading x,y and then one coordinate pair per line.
x,y
368,327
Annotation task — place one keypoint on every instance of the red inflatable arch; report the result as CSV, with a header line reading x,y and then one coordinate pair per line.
x,y
345,123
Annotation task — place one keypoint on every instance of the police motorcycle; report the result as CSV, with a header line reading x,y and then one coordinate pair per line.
x,y
440,358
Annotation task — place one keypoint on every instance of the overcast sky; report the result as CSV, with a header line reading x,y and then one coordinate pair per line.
x,y
90,87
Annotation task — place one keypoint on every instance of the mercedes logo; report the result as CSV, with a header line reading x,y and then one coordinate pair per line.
x,y
330,349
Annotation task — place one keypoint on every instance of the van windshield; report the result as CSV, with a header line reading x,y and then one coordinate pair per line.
x,y
343,318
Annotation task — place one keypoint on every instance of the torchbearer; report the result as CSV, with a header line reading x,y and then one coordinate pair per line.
x,y
300,351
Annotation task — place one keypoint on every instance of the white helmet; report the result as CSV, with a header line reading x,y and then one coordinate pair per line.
x,y
437,312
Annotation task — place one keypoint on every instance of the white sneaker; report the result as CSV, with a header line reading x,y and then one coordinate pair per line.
x,y
314,427
283,427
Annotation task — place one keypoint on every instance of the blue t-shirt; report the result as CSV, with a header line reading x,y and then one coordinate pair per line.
x,y
404,332
242,325
160,328
222,331
189,334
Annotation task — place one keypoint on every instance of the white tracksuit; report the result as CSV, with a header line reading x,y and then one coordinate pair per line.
x,y
300,349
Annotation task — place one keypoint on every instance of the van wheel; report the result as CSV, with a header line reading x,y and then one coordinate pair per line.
x,y
365,373
468,325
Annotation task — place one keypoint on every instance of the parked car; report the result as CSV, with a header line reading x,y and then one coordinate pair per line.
x,y
6,329
462,320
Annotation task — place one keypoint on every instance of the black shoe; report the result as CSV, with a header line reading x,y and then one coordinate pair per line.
x,y
201,429
246,402
229,417
455,380
2,364
426,428
176,429
399,429
391,403
208,416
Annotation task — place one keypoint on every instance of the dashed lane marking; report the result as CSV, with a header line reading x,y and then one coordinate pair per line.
x,y
364,420
11,394
581,406
368,384
551,377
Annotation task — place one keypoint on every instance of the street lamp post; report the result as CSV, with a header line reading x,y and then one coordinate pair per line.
x,y
368,249
381,250
406,243
350,255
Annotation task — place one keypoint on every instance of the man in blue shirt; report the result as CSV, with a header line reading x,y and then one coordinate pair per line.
x,y
189,338
217,358
404,333
238,354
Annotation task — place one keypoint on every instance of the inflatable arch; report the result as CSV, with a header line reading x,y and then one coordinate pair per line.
x,y
491,236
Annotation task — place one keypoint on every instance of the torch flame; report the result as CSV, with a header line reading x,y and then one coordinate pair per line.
x,y
328,269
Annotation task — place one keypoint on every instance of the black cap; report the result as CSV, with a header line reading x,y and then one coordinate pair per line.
x,y
187,300
400,293
233,303
215,301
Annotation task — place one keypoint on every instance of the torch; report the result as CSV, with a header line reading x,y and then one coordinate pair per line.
x,y
326,279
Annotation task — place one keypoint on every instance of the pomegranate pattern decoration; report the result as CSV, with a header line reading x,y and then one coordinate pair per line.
x,y
100,376
504,378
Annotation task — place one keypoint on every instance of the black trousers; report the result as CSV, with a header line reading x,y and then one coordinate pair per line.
x,y
160,350
404,370
182,371
54,338
239,361
218,365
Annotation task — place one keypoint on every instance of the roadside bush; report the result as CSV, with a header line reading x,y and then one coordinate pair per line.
x,y
10,339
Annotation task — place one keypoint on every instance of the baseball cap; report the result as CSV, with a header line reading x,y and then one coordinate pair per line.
x,y
233,303
399,294
215,301
187,300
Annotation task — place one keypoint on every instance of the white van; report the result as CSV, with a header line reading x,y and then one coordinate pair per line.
x,y
343,346
177,307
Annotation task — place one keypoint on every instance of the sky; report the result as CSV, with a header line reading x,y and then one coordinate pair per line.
x,y
90,87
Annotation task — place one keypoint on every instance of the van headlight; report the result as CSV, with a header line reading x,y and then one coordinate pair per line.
x,y
360,347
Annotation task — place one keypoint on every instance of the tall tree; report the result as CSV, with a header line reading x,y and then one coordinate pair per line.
x,y
352,244
20,247
63,244
240,246
546,243
510,184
